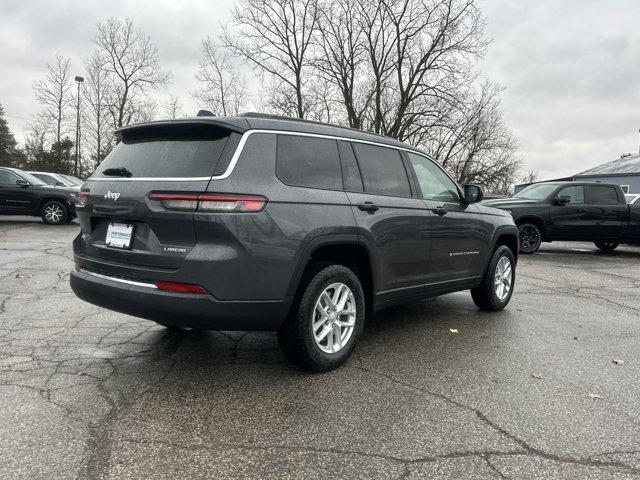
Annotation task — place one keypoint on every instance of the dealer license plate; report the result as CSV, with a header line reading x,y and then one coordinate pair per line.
x,y
119,235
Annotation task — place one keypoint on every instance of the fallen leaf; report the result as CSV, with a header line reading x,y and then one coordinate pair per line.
x,y
19,275
537,375
618,361
594,396
453,330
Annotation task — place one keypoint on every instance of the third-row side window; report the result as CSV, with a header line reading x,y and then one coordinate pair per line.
x,y
308,162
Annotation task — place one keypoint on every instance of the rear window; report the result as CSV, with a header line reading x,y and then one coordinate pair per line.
x,y
603,195
175,151
308,162
382,170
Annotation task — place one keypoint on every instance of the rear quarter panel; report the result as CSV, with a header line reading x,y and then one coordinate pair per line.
x,y
258,254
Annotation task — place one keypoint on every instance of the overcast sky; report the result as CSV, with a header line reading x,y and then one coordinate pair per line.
x,y
571,69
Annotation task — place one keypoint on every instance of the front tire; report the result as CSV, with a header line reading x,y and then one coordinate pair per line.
x,y
607,246
54,212
326,319
530,238
494,293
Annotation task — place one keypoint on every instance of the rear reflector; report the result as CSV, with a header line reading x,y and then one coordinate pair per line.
x,y
180,287
211,203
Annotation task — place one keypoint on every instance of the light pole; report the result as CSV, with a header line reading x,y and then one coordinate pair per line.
x,y
79,81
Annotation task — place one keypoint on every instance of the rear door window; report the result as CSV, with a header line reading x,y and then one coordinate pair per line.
x,y
308,162
167,151
603,195
382,170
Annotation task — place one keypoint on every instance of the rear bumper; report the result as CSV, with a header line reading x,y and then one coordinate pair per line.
x,y
177,309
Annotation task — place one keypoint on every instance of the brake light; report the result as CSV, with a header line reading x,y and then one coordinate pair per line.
x,y
211,202
180,287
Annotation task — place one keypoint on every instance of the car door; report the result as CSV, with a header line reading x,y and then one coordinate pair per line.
x,y
572,218
14,198
609,212
390,218
460,237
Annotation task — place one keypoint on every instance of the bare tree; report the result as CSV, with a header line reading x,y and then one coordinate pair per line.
x,y
401,68
276,37
172,108
531,176
223,90
54,92
341,57
473,142
418,50
131,59
96,125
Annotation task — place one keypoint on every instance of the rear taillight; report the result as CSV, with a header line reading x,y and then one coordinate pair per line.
x,y
176,201
83,195
180,287
207,202
231,203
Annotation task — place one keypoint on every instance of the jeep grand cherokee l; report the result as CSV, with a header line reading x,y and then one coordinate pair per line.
x,y
264,223
23,194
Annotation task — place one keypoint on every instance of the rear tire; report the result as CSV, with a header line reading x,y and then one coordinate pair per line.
x,y
496,288
530,238
607,246
326,318
55,212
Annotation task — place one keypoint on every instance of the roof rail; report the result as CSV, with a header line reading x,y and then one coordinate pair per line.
x,y
268,116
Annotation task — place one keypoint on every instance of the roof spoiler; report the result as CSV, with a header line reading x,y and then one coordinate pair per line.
x,y
202,120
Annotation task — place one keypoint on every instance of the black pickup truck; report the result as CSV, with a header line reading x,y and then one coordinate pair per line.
x,y
596,212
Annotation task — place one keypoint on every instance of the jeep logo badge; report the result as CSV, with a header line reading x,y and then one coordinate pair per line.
x,y
111,195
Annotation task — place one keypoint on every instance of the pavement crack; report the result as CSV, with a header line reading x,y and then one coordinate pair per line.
x,y
527,449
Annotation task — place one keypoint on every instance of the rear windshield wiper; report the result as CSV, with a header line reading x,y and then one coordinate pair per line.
x,y
117,172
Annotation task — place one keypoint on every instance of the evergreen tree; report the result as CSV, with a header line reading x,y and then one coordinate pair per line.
x,y
8,153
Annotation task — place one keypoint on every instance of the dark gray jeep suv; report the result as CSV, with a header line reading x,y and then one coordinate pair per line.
x,y
267,223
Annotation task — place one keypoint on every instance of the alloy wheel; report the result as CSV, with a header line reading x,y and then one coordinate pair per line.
x,y
529,238
334,318
53,213
503,278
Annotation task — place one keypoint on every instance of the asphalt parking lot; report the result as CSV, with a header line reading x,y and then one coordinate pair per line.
x,y
530,392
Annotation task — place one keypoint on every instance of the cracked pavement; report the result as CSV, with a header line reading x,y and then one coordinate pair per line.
x,y
91,394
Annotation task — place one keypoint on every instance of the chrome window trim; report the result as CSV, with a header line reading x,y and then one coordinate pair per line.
x,y
120,280
240,148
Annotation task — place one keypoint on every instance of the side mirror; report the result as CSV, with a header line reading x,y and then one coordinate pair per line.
x,y
60,184
22,183
473,193
561,200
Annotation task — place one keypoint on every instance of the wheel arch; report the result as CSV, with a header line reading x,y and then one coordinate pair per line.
x,y
537,221
342,249
49,198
